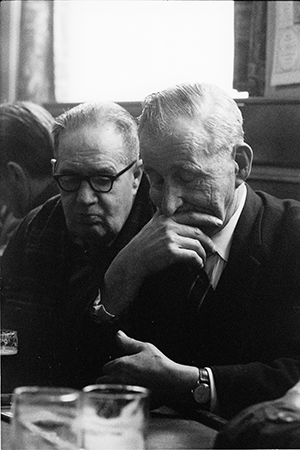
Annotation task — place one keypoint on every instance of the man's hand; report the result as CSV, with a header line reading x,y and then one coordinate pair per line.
x,y
166,240
162,242
145,365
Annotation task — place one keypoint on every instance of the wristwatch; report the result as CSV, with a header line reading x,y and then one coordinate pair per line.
x,y
201,392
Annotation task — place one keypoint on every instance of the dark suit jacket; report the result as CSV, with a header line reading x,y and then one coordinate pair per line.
x,y
248,329
47,285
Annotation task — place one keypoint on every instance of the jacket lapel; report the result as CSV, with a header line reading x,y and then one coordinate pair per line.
x,y
246,253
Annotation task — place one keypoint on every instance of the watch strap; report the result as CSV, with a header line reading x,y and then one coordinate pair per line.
x,y
202,390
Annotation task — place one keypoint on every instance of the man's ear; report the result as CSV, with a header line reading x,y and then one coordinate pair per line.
x,y
243,158
137,173
16,174
20,185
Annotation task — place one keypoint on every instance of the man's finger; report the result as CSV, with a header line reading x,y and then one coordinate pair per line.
x,y
128,345
197,219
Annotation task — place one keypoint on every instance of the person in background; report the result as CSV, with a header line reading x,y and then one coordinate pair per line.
x,y
212,281
26,148
56,260
272,424
8,225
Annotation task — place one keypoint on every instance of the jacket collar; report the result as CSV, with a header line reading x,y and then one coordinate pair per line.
x,y
246,254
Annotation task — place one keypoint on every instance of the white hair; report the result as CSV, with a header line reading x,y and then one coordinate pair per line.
x,y
219,114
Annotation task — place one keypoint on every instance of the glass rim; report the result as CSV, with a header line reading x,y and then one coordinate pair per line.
x,y
119,390
64,393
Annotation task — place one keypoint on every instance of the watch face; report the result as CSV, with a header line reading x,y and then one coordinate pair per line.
x,y
202,393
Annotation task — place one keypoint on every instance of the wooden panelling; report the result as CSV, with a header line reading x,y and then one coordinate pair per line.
x,y
281,182
56,109
272,129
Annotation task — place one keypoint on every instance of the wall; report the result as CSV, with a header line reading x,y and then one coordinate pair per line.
x,y
9,40
272,129
284,92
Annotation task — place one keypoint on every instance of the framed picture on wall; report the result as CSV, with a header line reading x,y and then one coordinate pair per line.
x,y
286,60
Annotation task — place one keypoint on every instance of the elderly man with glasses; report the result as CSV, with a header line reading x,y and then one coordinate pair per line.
x,y
55,263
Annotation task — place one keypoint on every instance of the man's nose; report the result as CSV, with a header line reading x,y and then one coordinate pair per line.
x,y
85,193
171,199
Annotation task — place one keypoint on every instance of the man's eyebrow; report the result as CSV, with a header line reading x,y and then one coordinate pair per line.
x,y
105,171
188,166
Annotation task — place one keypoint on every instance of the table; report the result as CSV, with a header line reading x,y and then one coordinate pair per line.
x,y
167,430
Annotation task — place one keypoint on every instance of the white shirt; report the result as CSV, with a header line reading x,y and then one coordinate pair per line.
x,y
216,262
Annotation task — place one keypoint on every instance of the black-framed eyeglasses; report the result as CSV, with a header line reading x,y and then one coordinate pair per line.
x,y
99,183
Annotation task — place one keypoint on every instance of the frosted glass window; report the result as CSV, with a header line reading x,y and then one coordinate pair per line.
x,y
124,50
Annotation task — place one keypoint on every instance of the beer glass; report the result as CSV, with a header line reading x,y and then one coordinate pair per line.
x,y
46,418
114,417
9,342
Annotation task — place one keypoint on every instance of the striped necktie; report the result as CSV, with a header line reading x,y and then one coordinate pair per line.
x,y
199,291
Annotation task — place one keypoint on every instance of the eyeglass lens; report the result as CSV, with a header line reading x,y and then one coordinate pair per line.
x,y
72,183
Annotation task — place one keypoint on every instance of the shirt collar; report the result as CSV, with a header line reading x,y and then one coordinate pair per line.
x,y
223,238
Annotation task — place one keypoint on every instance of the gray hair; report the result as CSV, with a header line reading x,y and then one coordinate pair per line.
x,y
221,118
25,137
99,114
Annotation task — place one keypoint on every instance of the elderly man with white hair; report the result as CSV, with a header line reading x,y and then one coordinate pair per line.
x,y
212,281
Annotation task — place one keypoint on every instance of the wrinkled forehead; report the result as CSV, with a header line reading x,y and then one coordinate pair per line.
x,y
101,139
97,133
180,132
